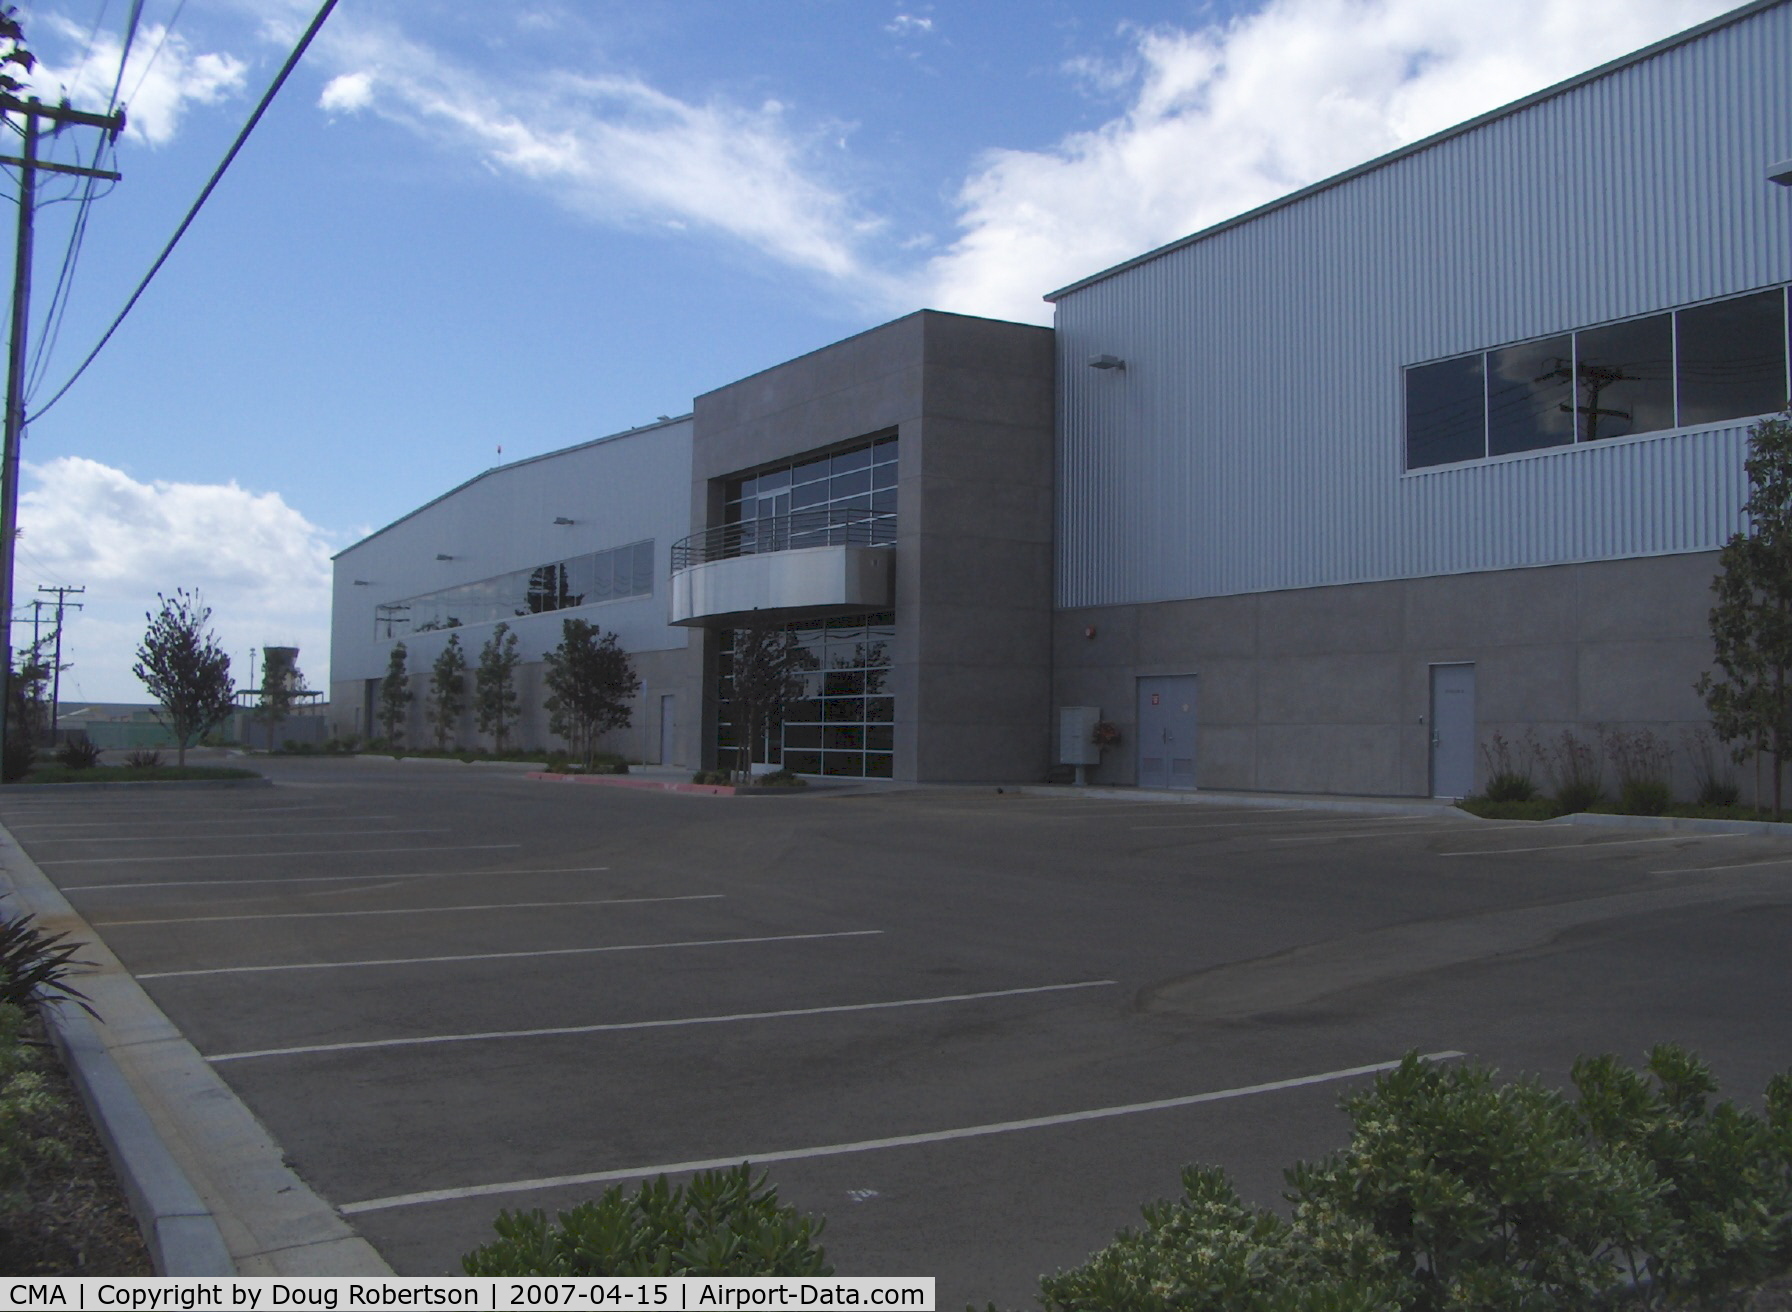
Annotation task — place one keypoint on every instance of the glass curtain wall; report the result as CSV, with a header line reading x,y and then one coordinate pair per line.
x,y
844,724
845,496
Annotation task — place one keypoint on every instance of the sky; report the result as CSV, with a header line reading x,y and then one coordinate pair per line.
x,y
463,235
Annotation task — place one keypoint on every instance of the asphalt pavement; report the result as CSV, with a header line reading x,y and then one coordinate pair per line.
x,y
974,1028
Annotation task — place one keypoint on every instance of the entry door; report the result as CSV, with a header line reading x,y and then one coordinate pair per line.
x,y
1452,730
1167,732
668,728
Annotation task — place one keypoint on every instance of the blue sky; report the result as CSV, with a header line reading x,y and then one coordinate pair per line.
x,y
528,224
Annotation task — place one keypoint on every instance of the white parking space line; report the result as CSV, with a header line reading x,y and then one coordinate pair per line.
x,y
872,1145
262,856
1739,865
1574,847
407,911
33,826
1454,828
1344,820
190,837
329,879
562,1030
510,956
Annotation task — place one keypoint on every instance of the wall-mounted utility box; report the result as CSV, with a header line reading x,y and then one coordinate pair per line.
x,y
1076,735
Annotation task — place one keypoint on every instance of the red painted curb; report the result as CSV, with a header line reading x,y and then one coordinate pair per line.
x,y
623,781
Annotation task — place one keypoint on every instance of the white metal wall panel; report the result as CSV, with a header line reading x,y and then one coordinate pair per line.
x,y
1254,440
616,491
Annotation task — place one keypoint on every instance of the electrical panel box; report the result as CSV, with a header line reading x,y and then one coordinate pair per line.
x,y
1076,735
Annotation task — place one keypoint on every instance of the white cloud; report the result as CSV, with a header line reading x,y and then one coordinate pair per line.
x,y
348,93
258,563
1228,117
619,150
909,25
163,77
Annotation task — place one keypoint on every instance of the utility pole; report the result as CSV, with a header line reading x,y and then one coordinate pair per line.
x,y
62,600
60,116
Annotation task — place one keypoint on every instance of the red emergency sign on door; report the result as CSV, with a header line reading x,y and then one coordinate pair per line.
x,y
1155,698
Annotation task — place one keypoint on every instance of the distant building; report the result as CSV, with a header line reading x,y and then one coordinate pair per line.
x,y
1314,500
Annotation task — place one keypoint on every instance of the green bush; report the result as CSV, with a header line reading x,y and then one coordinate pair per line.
x,y
723,1223
1719,792
1457,1192
781,779
143,760
78,754
1644,797
35,965
29,1112
20,755
712,777
1579,796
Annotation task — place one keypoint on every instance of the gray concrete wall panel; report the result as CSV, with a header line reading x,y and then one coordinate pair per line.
x,y
1298,694
1254,439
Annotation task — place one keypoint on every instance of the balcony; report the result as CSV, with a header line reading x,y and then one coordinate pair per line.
x,y
826,561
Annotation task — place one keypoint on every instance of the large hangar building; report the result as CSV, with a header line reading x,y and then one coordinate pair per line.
x,y
1314,500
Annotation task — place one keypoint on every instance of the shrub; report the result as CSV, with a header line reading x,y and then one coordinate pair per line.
x,y
35,966
1644,797
1575,771
1644,764
19,758
782,779
721,1223
78,754
1713,780
141,760
1511,767
1457,1192
711,777
1719,792
29,1112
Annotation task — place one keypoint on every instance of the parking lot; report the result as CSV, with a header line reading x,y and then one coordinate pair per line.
x,y
975,1029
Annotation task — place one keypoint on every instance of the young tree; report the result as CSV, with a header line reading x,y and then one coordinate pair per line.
x,y
447,690
185,669
591,682
395,697
768,674
494,685
1751,625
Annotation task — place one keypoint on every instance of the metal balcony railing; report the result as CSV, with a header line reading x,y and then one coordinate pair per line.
x,y
824,526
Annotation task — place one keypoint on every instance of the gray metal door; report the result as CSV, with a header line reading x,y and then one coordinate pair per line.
x,y
668,729
1167,732
1452,730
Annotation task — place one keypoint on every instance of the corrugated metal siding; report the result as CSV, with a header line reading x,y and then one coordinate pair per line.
x,y
1254,440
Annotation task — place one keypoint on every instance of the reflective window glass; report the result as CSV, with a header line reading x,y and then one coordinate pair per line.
x,y
1624,378
884,476
849,484
775,480
809,471
1530,396
879,765
1445,419
1732,358
850,460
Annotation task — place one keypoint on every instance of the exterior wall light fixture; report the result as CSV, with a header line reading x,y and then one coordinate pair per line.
x,y
361,583
1106,362
440,555
1781,173
561,519
1089,631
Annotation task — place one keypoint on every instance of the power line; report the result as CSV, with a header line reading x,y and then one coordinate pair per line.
x,y
156,54
267,99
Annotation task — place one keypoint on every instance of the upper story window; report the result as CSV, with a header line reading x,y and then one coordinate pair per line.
x,y
847,495
586,580
1699,365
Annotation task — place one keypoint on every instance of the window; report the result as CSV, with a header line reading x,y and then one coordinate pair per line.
x,y
581,581
1700,365
844,722
848,497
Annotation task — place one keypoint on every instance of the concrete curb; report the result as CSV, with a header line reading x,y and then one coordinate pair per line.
x,y
623,781
1678,824
1266,801
156,785
209,1187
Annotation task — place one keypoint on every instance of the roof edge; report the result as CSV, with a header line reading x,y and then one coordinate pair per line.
x,y
505,468
1426,143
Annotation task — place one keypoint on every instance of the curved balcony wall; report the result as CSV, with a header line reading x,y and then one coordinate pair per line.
x,y
781,585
